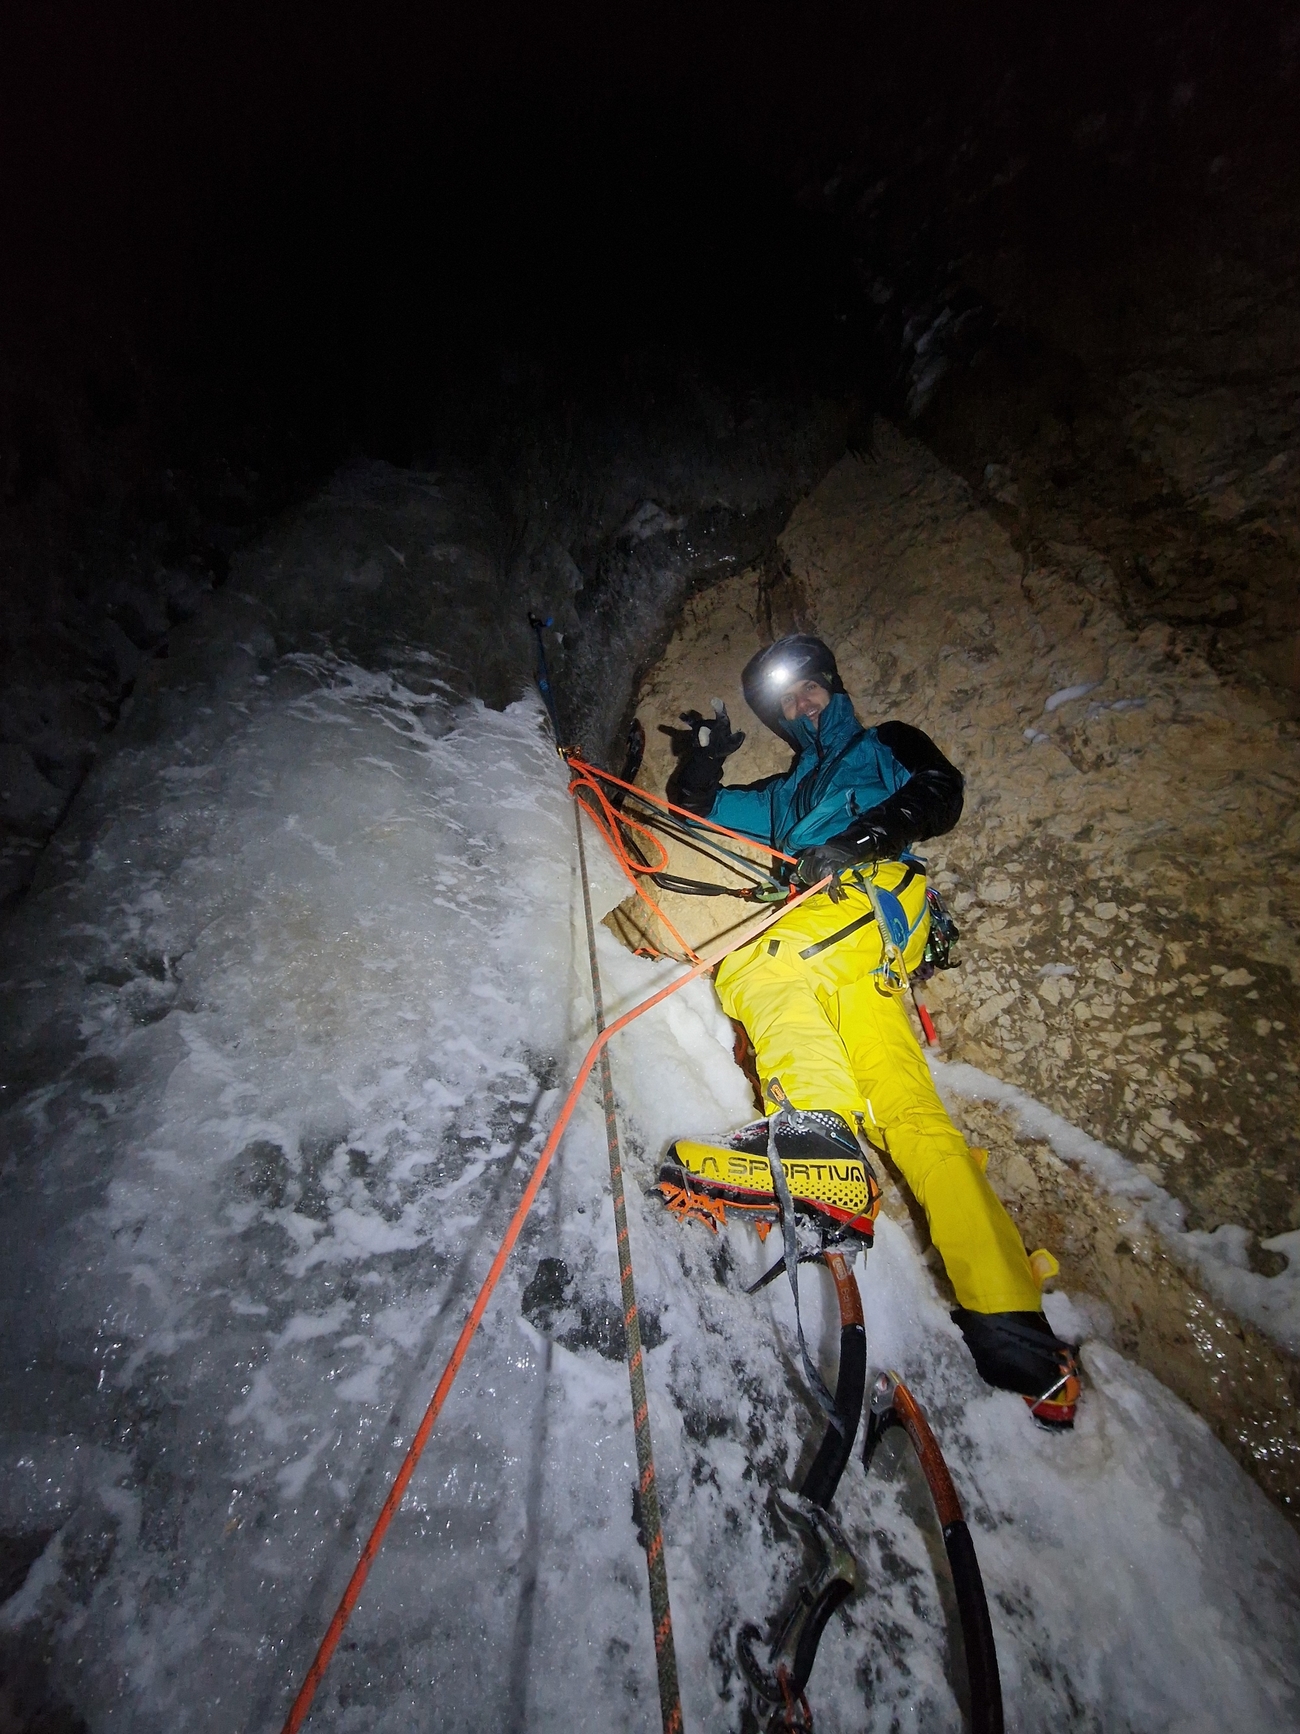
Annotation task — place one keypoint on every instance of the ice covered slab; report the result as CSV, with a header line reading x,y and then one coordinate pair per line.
x,y
289,1016
286,1025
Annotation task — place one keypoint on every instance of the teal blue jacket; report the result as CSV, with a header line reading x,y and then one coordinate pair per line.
x,y
842,771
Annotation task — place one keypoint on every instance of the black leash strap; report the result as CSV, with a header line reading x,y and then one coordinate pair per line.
x,y
785,1209
670,1698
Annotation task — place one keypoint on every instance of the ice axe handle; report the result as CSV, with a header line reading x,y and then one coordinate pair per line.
x,y
544,686
893,1405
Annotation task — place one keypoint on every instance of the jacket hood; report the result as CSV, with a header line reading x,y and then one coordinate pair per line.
x,y
773,671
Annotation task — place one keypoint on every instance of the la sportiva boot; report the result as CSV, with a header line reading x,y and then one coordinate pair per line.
x,y
1021,1352
828,1175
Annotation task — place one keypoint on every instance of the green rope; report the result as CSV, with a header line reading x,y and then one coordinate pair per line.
x,y
670,1698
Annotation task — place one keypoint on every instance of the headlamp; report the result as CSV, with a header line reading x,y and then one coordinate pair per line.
x,y
782,675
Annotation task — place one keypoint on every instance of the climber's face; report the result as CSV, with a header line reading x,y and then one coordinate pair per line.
x,y
805,698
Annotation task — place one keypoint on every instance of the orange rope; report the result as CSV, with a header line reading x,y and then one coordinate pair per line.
x,y
608,821
658,801
356,1583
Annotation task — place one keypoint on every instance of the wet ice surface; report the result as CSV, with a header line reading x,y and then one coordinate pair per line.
x,y
290,1017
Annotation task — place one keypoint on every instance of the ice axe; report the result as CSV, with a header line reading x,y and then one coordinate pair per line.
x,y
797,1628
893,1405
544,686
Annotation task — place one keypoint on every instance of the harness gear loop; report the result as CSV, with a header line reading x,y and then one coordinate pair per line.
x,y
670,1700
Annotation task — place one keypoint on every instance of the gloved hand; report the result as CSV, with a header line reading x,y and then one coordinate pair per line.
x,y
814,864
698,776
880,835
879,842
713,734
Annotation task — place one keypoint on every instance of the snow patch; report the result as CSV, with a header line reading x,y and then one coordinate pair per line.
x,y
1068,694
1220,1257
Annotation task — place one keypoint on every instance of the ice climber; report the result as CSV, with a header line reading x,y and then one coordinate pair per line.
x,y
830,1040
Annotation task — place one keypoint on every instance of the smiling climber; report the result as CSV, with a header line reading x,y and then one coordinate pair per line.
x,y
820,994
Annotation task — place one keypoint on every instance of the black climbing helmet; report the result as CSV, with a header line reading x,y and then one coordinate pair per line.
x,y
776,669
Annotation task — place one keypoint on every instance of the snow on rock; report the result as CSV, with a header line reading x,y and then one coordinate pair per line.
x,y
1124,1563
1221,1258
1124,884
1068,695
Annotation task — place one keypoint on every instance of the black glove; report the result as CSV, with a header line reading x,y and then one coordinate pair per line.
x,y
713,734
698,776
814,864
879,840
880,835
929,803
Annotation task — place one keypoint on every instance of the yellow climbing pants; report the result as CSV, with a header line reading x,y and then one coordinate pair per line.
x,y
820,1023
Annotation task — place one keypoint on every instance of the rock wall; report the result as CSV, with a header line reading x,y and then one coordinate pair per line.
x,y
1124,874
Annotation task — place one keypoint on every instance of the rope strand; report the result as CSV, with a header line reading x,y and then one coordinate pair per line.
x,y
356,1583
612,823
661,1615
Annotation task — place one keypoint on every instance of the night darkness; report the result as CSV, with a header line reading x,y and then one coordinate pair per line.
x,y
241,246
299,227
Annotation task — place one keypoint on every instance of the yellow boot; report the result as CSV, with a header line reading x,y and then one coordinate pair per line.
x,y
824,1166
